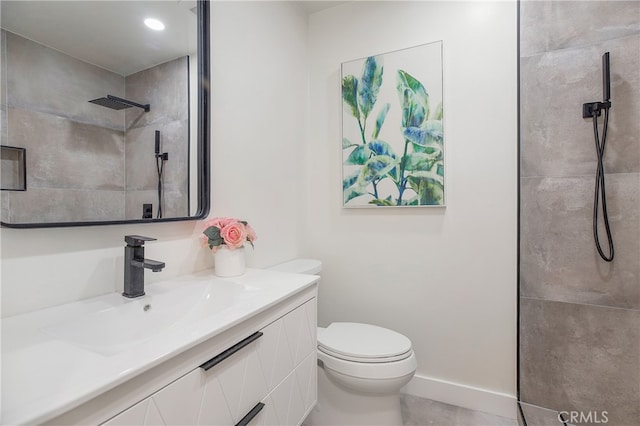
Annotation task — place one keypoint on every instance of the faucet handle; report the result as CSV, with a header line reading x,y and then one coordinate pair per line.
x,y
137,240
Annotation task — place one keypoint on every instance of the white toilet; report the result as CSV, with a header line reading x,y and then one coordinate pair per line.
x,y
361,368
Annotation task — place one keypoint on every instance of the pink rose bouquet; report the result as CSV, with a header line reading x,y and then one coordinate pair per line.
x,y
227,231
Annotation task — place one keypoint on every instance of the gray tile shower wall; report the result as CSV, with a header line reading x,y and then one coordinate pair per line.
x,y
44,80
63,153
556,140
80,150
75,149
546,26
3,90
66,205
578,357
418,411
166,88
559,260
579,316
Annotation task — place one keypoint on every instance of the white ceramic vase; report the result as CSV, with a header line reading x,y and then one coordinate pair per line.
x,y
229,262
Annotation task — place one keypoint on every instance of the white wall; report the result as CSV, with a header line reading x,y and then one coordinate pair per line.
x,y
258,92
445,277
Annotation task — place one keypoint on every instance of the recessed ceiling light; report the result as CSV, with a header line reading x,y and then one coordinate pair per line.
x,y
154,24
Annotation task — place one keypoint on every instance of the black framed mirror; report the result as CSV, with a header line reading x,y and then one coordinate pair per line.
x,y
113,110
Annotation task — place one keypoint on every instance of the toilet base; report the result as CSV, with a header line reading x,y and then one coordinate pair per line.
x,y
338,406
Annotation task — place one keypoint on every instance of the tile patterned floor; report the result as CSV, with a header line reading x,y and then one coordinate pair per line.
x,y
425,412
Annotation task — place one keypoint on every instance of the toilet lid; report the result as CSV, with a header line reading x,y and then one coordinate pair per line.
x,y
363,342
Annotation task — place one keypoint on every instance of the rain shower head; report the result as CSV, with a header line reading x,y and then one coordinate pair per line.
x,y
117,103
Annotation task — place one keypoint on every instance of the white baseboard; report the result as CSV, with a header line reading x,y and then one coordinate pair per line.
x,y
478,399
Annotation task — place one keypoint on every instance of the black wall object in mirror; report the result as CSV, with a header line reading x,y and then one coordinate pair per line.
x,y
14,168
126,138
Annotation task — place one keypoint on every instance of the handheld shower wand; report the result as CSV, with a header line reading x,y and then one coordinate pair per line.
x,y
606,78
160,159
593,110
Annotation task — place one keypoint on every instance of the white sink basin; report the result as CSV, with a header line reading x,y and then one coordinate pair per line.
x,y
57,358
115,323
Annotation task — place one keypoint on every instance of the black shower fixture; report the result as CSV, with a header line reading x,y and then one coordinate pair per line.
x,y
161,157
593,110
117,103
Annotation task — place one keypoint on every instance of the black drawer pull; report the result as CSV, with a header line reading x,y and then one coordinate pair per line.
x,y
232,350
251,414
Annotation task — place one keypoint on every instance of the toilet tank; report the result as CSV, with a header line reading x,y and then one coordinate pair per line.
x,y
299,266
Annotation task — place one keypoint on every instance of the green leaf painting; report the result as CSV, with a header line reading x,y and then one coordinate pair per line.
x,y
392,132
370,83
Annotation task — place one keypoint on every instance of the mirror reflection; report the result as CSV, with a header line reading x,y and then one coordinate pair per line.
x,y
104,106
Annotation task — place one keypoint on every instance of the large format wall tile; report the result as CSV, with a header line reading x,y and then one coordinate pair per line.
x,y
45,80
552,25
558,255
555,139
4,206
3,89
581,357
64,205
165,87
175,203
65,154
422,412
577,355
141,170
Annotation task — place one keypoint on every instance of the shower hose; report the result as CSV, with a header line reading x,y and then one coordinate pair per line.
x,y
600,192
160,170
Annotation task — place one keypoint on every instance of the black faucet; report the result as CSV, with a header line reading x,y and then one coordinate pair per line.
x,y
134,264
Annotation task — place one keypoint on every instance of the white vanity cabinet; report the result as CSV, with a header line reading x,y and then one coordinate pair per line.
x,y
256,367
267,378
273,373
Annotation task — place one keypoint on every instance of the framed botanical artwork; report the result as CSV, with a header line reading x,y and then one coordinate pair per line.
x,y
392,132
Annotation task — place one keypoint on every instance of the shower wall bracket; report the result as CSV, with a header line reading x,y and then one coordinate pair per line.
x,y
590,109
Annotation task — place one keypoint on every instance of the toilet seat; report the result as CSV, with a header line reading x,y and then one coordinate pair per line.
x,y
365,351
357,342
364,359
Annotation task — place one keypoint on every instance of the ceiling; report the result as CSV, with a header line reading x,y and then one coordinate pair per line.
x,y
316,6
109,34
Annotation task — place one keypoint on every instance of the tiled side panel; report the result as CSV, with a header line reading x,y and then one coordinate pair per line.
x,y
75,149
559,259
141,171
579,316
62,205
37,80
554,25
418,411
581,357
555,139
165,88
67,154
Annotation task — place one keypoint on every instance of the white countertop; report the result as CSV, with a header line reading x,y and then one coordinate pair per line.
x,y
44,376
